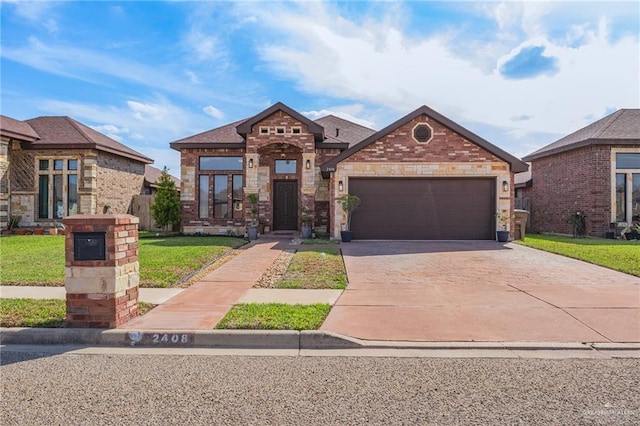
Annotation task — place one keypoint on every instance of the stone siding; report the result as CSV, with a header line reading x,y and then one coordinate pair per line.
x,y
118,179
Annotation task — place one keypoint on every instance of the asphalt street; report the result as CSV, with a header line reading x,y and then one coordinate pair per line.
x,y
122,389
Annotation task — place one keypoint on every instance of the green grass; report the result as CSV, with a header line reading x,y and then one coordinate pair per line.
x,y
315,268
164,262
40,313
320,241
32,259
275,316
620,255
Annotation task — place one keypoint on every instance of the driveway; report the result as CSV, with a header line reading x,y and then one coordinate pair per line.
x,y
481,291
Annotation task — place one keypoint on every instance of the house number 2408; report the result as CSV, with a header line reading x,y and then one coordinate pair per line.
x,y
170,338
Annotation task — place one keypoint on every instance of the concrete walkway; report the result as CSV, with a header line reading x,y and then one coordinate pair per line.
x,y
203,304
155,296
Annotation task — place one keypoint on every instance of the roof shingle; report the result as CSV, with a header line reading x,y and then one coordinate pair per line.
x,y
65,132
17,129
620,127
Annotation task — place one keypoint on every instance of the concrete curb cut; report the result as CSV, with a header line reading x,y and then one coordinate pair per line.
x,y
258,339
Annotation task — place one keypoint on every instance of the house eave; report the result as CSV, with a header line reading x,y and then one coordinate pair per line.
x,y
178,146
18,136
580,144
31,146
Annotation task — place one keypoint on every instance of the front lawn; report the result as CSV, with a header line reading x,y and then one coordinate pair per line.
x,y
315,268
620,255
164,262
275,316
40,313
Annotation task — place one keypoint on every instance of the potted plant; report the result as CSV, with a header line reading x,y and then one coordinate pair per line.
x,y
305,220
38,230
578,224
631,232
349,204
252,225
12,225
505,219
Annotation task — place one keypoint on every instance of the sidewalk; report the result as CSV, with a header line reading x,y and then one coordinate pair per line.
x,y
203,304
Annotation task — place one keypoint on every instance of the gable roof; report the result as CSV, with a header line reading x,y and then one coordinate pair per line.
x,y
313,127
65,133
619,128
12,128
229,136
339,130
516,164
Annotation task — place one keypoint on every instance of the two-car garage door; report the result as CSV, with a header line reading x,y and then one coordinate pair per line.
x,y
424,209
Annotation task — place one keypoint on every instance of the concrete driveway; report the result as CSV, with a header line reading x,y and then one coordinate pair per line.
x,y
481,291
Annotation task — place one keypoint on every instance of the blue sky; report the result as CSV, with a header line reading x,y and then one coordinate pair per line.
x,y
519,74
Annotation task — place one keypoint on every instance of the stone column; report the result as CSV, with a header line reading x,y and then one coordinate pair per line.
x,y
102,272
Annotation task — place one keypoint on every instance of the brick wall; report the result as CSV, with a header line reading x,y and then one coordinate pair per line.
x,y
118,180
565,183
103,293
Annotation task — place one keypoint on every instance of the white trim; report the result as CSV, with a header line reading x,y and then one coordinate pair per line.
x,y
629,186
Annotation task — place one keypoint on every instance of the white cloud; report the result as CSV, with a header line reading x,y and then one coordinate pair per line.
x,y
213,112
193,77
377,63
342,112
36,12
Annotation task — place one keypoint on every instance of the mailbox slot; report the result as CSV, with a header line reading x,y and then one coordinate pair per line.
x,y
89,246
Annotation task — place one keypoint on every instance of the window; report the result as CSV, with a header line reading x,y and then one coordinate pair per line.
x,y
296,130
57,188
264,130
280,130
422,133
237,196
203,197
227,188
220,163
627,187
220,203
286,166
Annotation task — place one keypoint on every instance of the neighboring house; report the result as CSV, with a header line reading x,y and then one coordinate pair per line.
x,y
422,177
594,171
151,178
56,166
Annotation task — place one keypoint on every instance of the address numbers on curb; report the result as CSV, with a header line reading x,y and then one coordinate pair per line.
x,y
155,339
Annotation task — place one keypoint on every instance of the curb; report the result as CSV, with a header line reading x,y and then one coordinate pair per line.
x,y
258,339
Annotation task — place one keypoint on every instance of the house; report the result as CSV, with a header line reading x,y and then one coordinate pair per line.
x,y
594,171
151,178
53,167
422,177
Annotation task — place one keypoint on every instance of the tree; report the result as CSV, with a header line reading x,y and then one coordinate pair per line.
x,y
165,209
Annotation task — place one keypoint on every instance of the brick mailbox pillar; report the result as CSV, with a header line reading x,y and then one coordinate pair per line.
x,y
102,271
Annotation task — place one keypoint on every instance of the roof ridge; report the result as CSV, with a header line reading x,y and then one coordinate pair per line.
x,y
340,118
613,117
75,124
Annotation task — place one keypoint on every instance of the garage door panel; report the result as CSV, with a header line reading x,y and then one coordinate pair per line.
x,y
423,208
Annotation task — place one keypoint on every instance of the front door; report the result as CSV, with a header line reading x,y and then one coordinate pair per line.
x,y
285,205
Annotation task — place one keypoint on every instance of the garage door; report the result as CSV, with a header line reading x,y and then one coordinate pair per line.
x,y
424,209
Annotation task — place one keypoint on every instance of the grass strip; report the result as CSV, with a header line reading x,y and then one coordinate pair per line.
x,y
275,316
41,313
619,255
164,262
315,268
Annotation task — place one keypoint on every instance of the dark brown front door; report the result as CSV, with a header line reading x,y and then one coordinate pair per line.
x,y
424,209
285,205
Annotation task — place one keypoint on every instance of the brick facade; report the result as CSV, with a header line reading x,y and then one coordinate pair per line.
x,y
568,182
451,151
447,154
103,293
103,179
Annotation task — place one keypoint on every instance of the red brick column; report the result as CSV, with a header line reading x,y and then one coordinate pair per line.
x,y
103,293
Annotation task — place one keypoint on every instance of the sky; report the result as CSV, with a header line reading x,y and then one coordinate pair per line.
x,y
146,73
